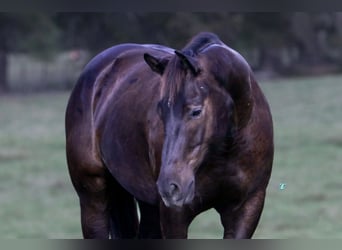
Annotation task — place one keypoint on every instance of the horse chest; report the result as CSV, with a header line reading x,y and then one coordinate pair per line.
x,y
227,182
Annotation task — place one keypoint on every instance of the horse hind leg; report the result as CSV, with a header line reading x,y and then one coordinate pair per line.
x,y
94,216
123,214
89,180
106,208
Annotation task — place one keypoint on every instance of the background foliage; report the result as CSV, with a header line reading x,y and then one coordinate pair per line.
x,y
290,43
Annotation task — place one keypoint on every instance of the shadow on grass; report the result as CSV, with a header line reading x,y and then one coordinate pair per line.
x,y
8,156
335,141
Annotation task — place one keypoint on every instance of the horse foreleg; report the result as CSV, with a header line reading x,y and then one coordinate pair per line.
x,y
149,221
122,212
242,222
175,222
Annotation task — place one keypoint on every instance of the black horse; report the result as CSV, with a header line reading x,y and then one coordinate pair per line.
x,y
178,132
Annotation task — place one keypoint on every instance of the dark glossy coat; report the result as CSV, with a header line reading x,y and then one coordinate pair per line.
x,y
177,131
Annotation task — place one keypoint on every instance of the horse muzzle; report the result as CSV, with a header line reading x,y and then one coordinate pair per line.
x,y
176,193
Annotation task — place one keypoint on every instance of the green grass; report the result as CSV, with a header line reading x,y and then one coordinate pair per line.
x,y
36,196
37,199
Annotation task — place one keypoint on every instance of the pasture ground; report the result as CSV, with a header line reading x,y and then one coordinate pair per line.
x,y
38,201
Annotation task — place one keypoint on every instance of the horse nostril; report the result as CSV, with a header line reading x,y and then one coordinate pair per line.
x,y
174,189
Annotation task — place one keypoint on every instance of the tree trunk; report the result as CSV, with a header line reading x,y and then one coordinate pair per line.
x,y
338,24
3,71
303,30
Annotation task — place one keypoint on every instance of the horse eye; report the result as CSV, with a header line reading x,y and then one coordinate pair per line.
x,y
195,113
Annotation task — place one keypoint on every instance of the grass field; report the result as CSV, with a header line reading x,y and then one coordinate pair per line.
x,y
37,199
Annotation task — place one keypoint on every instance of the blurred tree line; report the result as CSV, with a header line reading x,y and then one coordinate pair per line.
x,y
280,43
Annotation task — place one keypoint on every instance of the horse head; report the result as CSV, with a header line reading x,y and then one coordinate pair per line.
x,y
205,100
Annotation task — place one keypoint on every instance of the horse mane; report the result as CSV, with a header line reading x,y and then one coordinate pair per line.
x,y
200,42
176,72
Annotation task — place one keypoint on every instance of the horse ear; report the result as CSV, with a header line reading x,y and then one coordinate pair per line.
x,y
189,62
156,64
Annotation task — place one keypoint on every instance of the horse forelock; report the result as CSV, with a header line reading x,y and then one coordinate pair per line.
x,y
175,74
173,80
